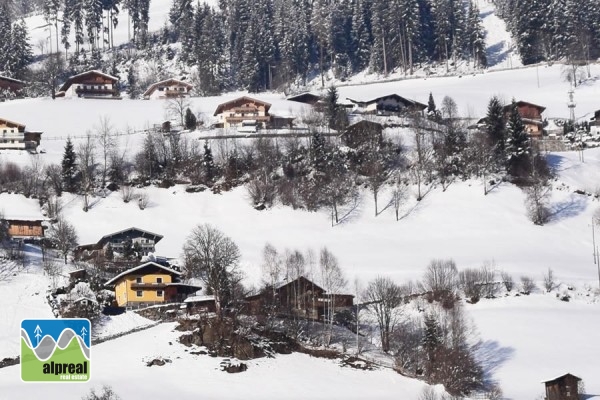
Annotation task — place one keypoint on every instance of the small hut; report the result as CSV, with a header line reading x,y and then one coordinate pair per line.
x,y
564,387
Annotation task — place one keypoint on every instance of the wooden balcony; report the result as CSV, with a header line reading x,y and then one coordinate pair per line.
x,y
81,92
237,119
148,285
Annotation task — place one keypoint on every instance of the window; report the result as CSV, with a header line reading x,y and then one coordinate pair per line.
x,y
159,280
159,293
160,88
139,293
138,279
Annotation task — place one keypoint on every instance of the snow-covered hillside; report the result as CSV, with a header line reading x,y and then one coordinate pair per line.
x,y
523,334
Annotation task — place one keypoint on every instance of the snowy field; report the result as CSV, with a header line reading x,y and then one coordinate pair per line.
x,y
121,364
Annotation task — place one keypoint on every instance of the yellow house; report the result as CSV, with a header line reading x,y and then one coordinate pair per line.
x,y
149,284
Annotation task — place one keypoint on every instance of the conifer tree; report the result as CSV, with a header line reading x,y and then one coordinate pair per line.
x,y
190,120
69,167
208,164
518,148
495,126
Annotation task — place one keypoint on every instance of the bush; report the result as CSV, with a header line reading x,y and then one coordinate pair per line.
x,y
549,283
507,280
441,280
127,193
527,285
262,192
107,393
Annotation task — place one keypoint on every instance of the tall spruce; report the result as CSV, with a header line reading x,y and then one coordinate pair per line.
x,y
69,167
518,147
495,126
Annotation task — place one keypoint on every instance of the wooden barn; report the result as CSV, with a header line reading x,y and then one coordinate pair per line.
x,y
168,89
300,298
531,114
11,85
362,133
91,85
564,387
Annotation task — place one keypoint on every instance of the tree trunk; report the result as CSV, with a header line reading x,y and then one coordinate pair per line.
x,y
321,64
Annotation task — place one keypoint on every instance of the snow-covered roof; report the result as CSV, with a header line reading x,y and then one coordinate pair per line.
x,y
222,106
198,299
139,267
70,80
156,236
9,123
6,78
153,87
20,208
561,376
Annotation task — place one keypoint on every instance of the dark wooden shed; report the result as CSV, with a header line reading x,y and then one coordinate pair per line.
x,y
363,133
564,387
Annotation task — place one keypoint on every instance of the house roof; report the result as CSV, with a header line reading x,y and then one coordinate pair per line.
x,y
13,80
561,377
140,267
222,106
199,299
393,95
144,233
16,207
300,278
305,97
9,123
154,86
525,103
70,80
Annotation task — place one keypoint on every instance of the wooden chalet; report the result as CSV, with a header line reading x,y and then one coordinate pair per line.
x,y
149,284
23,216
564,387
531,114
11,85
362,133
392,104
241,111
168,89
91,85
13,136
300,298
140,239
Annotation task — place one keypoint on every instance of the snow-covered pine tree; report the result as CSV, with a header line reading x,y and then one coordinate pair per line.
x,y
476,37
361,36
518,147
495,126
21,53
208,164
69,167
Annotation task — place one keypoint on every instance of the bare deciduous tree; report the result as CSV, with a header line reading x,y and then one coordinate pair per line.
x,y
549,282
213,257
106,140
64,236
441,278
333,282
176,107
384,298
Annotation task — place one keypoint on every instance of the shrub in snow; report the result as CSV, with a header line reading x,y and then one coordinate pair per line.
x,y
507,281
527,285
107,393
127,194
549,282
